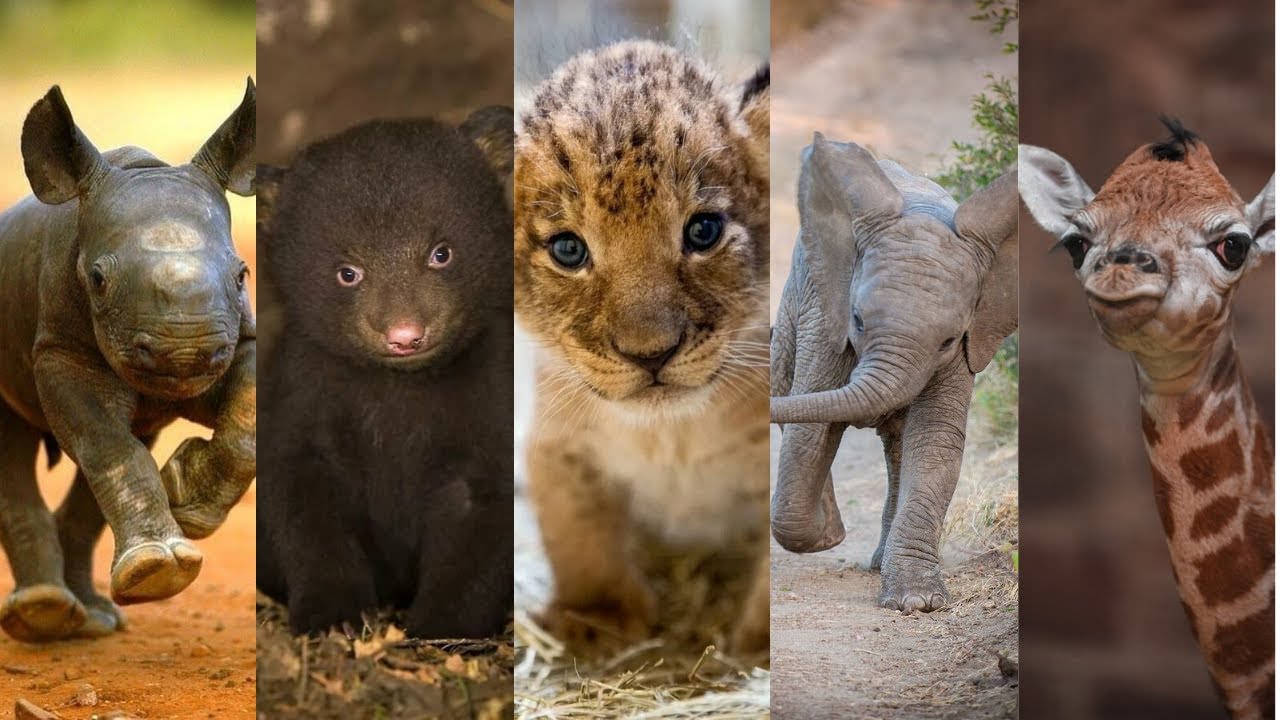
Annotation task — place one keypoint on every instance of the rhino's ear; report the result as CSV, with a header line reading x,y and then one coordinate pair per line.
x,y
59,160
227,156
493,130
266,186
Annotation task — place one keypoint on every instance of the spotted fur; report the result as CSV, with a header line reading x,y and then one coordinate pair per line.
x,y
621,147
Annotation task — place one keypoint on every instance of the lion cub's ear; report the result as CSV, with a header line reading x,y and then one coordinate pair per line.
x,y
493,130
753,106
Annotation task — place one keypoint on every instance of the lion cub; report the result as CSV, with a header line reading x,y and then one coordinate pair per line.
x,y
641,270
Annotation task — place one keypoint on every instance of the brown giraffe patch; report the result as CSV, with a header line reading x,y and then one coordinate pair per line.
x,y
1231,571
1220,415
1189,409
1214,516
1265,696
1206,465
1149,430
1225,371
1162,500
1263,473
1247,644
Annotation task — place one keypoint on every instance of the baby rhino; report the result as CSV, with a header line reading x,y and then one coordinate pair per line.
x,y
386,471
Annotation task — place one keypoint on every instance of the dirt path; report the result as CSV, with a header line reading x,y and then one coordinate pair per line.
x,y
835,654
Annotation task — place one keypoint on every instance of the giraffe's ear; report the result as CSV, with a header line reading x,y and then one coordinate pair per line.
x,y
1051,188
1261,215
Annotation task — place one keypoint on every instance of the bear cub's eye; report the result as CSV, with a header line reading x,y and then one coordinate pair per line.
x,y
350,275
702,232
568,250
441,255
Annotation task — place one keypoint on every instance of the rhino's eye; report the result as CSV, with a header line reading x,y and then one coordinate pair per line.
x,y
97,278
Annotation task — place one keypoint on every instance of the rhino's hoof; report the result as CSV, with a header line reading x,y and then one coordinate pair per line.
x,y
104,618
41,613
154,570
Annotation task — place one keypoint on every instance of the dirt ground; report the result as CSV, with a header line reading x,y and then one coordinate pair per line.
x,y
191,656
896,77
835,654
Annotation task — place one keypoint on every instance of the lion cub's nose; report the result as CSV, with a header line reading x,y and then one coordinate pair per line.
x,y
650,361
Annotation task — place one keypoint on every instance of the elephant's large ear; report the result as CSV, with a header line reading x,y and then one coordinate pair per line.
x,y
227,156
843,191
1051,188
990,217
59,160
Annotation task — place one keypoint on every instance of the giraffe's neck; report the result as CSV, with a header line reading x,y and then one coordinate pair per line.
x,y
1211,462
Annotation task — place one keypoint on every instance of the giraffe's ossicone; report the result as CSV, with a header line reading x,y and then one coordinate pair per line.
x,y
1160,249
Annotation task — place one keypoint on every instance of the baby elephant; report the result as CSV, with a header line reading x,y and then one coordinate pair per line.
x,y
387,453
124,308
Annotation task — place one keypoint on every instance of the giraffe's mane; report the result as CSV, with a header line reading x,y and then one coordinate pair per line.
x,y
1174,149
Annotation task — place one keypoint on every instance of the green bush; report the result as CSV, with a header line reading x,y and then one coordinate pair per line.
x,y
995,115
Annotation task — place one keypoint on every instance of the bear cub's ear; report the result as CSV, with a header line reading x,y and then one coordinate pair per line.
x,y
493,130
266,185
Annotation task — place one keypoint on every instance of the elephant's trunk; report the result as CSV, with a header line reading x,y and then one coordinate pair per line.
x,y
878,386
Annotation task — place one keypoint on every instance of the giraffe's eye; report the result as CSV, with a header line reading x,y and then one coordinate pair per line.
x,y
1077,246
1232,250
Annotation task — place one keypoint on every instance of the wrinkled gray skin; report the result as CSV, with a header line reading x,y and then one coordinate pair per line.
x,y
896,298
125,307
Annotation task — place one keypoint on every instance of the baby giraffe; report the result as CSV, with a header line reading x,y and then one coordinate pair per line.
x,y
1160,250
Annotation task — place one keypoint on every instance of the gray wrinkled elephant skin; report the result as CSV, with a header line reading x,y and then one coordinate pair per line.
x,y
125,307
896,298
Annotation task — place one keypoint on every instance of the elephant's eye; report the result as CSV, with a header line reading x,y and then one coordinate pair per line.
x,y
1077,246
947,343
857,322
97,278
241,276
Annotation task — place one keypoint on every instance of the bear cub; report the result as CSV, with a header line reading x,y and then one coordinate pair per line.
x,y
385,427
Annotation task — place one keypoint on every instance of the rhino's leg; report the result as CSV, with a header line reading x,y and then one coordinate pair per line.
x,y
89,410
206,478
40,607
890,433
80,524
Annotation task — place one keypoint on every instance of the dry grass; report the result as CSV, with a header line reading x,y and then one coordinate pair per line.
x,y
681,673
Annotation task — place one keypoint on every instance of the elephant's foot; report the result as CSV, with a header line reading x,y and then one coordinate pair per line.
x,y
154,570
606,624
912,591
41,613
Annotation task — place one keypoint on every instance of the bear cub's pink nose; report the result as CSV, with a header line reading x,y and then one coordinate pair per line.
x,y
405,338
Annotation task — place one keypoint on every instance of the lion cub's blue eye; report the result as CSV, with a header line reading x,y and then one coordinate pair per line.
x,y
702,232
568,250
